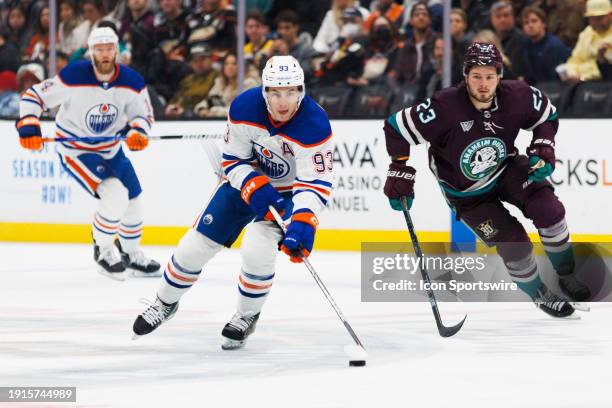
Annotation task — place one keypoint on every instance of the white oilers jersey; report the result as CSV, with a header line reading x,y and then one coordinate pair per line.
x,y
89,107
296,156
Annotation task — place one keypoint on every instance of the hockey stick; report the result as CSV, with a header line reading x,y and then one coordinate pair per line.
x,y
443,330
362,353
97,139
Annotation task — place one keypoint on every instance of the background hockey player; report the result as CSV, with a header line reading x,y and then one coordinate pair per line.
x,y
277,152
471,129
99,98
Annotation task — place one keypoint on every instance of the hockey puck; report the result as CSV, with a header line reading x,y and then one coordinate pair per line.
x,y
357,363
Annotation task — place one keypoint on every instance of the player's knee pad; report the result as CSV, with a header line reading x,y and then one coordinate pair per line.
x,y
544,208
113,198
514,245
195,250
259,248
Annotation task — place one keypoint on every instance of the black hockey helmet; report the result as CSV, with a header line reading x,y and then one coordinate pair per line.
x,y
482,54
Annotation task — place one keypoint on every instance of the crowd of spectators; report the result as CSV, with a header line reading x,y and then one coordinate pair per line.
x,y
186,49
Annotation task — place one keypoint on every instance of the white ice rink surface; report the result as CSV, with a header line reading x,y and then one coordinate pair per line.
x,y
63,324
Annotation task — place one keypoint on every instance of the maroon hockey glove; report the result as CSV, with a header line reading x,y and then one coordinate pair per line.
x,y
400,183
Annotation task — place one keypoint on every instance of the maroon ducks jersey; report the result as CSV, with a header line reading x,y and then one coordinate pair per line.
x,y
468,148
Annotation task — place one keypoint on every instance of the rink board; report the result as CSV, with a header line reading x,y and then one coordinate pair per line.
x,y
40,202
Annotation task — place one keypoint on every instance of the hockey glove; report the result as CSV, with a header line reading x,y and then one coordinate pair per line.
x,y
541,149
258,193
400,183
136,139
30,136
300,234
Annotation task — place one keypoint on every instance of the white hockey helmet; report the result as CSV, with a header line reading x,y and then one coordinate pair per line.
x,y
102,35
281,71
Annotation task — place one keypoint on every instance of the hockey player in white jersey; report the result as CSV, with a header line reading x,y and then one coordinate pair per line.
x,y
277,153
99,98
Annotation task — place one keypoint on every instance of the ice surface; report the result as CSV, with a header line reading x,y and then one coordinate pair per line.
x,y
63,324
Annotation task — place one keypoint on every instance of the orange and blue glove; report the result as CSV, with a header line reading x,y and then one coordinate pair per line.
x,y
136,139
30,136
258,193
300,234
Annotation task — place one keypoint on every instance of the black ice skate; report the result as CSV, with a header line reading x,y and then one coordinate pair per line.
x,y
238,330
110,261
552,304
157,313
138,264
571,286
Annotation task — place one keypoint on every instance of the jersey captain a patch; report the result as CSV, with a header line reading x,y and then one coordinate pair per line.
x,y
482,157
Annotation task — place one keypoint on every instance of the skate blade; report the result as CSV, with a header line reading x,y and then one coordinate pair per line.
x,y
118,276
231,344
135,273
583,307
136,336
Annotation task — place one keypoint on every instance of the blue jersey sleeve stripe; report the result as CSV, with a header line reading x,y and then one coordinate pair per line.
x,y
315,181
319,196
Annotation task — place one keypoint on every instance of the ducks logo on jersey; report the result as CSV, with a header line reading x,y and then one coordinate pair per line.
x,y
482,157
100,117
272,164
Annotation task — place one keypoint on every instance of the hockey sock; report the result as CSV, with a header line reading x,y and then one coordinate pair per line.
x,y
555,240
111,206
185,266
130,229
525,274
252,291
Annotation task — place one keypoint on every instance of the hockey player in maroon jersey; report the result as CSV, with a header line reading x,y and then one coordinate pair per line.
x,y
471,129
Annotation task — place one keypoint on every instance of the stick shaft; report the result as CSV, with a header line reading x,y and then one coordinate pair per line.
x,y
97,139
328,296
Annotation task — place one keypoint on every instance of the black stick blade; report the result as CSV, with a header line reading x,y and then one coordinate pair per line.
x,y
450,331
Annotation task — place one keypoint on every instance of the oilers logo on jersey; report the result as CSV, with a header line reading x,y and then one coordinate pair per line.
x,y
101,117
272,164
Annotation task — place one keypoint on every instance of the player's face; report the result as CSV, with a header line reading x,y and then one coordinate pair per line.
x,y
283,102
104,56
482,82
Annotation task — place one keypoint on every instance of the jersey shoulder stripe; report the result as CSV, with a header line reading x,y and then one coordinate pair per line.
x,y
81,73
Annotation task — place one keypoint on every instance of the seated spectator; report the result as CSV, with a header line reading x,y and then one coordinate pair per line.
x,y
257,49
299,44
137,32
512,40
27,75
346,58
564,18
169,27
311,12
224,90
330,27
544,51
17,26
436,11
9,97
413,58
215,25
195,86
39,43
434,82
92,11
380,54
9,53
477,15
460,40
72,32
490,37
388,8
593,43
